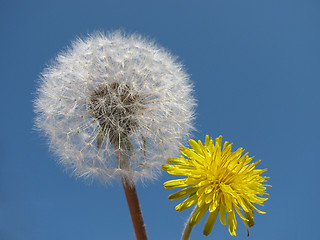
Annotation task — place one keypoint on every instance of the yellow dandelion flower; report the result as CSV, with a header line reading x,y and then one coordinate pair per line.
x,y
218,180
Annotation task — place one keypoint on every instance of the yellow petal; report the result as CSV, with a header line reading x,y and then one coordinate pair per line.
x,y
233,158
232,222
228,203
187,203
250,217
228,189
177,183
245,206
222,215
218,141
183,193
213,206
210,222
241,162
198,215
238,209
251,207
211,148
209,197
225,147
201,200
191,180
196,147
207,142
209,188
202,187
196,159
179,170
245,223
179,161
258,210
216,157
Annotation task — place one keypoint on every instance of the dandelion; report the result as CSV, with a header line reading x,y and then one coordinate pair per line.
x,y
220,181
114,105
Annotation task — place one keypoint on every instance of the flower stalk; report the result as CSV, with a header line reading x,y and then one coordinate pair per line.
x,y
131,194
135,210
188,228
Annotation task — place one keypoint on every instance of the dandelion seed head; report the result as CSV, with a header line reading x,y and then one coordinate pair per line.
x,y
110,89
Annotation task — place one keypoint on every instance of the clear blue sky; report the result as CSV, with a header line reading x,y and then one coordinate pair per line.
x,y
256,68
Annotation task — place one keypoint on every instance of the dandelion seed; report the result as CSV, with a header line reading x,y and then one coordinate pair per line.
x,y
219,181
112,94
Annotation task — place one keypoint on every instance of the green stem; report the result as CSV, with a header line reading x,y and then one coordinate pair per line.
x,y
188,228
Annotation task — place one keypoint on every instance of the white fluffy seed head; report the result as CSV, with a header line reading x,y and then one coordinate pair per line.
x,y
112,94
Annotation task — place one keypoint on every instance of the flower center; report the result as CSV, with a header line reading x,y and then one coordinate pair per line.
x,y
115,106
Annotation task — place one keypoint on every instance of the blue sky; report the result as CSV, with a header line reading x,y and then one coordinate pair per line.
x,y
255,66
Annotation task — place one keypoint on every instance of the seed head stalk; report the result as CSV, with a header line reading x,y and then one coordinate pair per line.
x,y
131,194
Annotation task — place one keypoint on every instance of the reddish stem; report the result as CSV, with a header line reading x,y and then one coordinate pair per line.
x,y
135,210
131,195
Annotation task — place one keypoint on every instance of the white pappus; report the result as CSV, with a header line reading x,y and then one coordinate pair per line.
x,y
110,93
